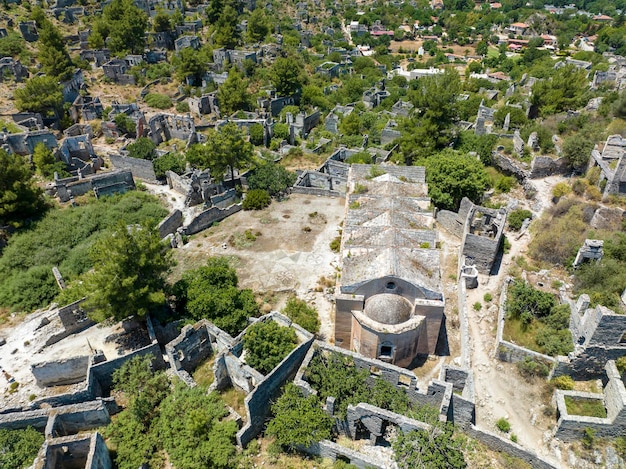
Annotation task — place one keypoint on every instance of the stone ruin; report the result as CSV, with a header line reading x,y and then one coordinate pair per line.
x,y
199,187
612,165
613,398
481,230
164,127
107,183
591,250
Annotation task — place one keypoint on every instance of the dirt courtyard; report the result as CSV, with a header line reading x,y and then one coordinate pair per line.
x,y
281,250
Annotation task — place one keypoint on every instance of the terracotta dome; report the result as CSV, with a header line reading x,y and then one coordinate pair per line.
x,y
388,308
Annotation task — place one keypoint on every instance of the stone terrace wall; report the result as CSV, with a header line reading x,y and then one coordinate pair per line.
x,y
544,166
205,219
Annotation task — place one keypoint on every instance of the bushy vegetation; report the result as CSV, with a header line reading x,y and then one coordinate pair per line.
x,y
503,425
564,382
63,238
516,218
302,314
335,375
211,292
174,162
604,281
18,448
298,420
537,312
186,423
142,148
256,199
272,178
159,101
266,343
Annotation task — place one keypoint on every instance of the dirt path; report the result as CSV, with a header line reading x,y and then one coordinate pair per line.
x,y
500,391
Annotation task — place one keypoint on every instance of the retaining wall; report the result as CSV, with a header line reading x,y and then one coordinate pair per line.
x,y
170,223
142,169
205,219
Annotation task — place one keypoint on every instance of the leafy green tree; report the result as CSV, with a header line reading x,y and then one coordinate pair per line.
x,y
452,176
577,150
129,276
161,22
351,124
226,33
19,197
233,94
525,299
188,64
193,429
144,388
271,177
143,148
256,199
435,101
298,421
45,162
40,94
257,134
565,90
267,343
258,26
174,162
133,431
12,45
211,292
53,54
432,449
619,106
125,124
287,75
123,25
225,149
214,9
19,448
481,144
301,313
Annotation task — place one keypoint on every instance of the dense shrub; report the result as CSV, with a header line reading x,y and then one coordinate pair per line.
x,y
159,101
174,162
301,313
62,238
503,425
516,218
18,448
142,148
266,344
564,382
271,177
531,368
256,199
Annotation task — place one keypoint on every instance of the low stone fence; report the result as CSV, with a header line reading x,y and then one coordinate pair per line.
x,y
333,451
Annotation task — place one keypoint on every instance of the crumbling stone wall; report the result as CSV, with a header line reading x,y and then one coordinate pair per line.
x,y
571,427
205,219
142,169
544,166
61,372
170,223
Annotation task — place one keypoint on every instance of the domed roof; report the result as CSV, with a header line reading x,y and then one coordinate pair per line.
x,y
388,308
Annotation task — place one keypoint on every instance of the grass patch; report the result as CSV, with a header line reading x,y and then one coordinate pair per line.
x,y
585,407
203,375
524,336
234,398
11,127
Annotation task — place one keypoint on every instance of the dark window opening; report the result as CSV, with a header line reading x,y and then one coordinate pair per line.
x,y
386,351
391,285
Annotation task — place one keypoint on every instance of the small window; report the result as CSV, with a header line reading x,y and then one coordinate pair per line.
x,y
391,286
386,351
